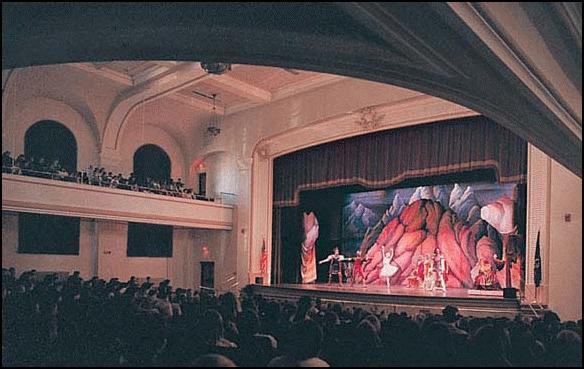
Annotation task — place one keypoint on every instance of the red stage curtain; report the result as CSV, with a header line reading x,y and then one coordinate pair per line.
x,y
383,159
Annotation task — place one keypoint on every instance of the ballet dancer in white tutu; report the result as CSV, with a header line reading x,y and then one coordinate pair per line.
x,y
388,270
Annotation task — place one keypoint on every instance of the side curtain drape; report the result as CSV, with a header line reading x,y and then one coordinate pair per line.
x,y
287,237
276,246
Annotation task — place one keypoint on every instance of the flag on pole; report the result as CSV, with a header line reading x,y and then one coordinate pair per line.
x,y
264,258
537,264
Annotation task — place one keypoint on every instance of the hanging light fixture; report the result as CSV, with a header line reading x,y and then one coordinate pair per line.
x,y
213,129
216,68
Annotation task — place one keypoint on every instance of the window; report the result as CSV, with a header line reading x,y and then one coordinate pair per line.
x,y
150,240
48,234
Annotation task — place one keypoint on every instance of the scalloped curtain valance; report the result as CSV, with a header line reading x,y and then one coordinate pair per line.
x,y
386,158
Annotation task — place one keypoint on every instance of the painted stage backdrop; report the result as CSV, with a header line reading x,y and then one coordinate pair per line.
x,y
470,224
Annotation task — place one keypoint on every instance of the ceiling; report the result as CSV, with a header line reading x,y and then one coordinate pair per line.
x,y
519,64
243,87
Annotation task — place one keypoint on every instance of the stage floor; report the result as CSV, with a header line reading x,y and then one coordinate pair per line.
x,y
399,298
394,290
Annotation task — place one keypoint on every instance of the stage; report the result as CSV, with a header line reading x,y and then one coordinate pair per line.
x,y
399,299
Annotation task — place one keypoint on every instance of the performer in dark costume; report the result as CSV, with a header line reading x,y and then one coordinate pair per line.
x,y
336,266
510,256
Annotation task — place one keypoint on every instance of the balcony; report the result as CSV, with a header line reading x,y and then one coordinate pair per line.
x,y
46,196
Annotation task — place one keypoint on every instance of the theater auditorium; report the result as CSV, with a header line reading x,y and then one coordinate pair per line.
x,y
291,184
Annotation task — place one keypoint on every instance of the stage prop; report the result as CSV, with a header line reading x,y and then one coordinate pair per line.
x,y
308,256
459,236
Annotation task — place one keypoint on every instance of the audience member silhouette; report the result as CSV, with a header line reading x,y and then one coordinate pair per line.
x,y
49,321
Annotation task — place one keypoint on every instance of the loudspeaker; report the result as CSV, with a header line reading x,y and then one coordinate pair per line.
x,y
510,293
259,280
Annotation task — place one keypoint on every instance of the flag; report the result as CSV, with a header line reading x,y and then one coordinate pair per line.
x,y
537,264
264,258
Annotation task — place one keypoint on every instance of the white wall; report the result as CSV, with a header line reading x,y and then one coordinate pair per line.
x,y
222,174
102,252
552,193
240,132
85,262
112,238
565,260
222,252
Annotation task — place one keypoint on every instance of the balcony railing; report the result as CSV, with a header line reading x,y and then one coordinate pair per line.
x,y
83,178
47,196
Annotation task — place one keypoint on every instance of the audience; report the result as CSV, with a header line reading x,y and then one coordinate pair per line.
x,y
77,322
96,176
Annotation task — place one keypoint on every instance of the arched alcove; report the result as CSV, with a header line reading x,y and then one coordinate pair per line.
x,y
51,140
150,161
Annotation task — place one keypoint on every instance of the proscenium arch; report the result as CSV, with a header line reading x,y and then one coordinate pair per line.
x,y
462,70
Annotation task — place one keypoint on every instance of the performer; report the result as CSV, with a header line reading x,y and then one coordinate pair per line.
x,y
510,256
413,280
427,265
486,278
429,273
388,270
358,267
430,278
336,265
441,268
420,271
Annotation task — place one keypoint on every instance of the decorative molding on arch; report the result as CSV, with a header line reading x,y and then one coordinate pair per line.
x,y
10,87
509,50
412,111
369,118
43,108
6,73
8,76
156,88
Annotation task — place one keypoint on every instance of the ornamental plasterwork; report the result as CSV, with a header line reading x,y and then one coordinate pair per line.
x,y
263,151
369,118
